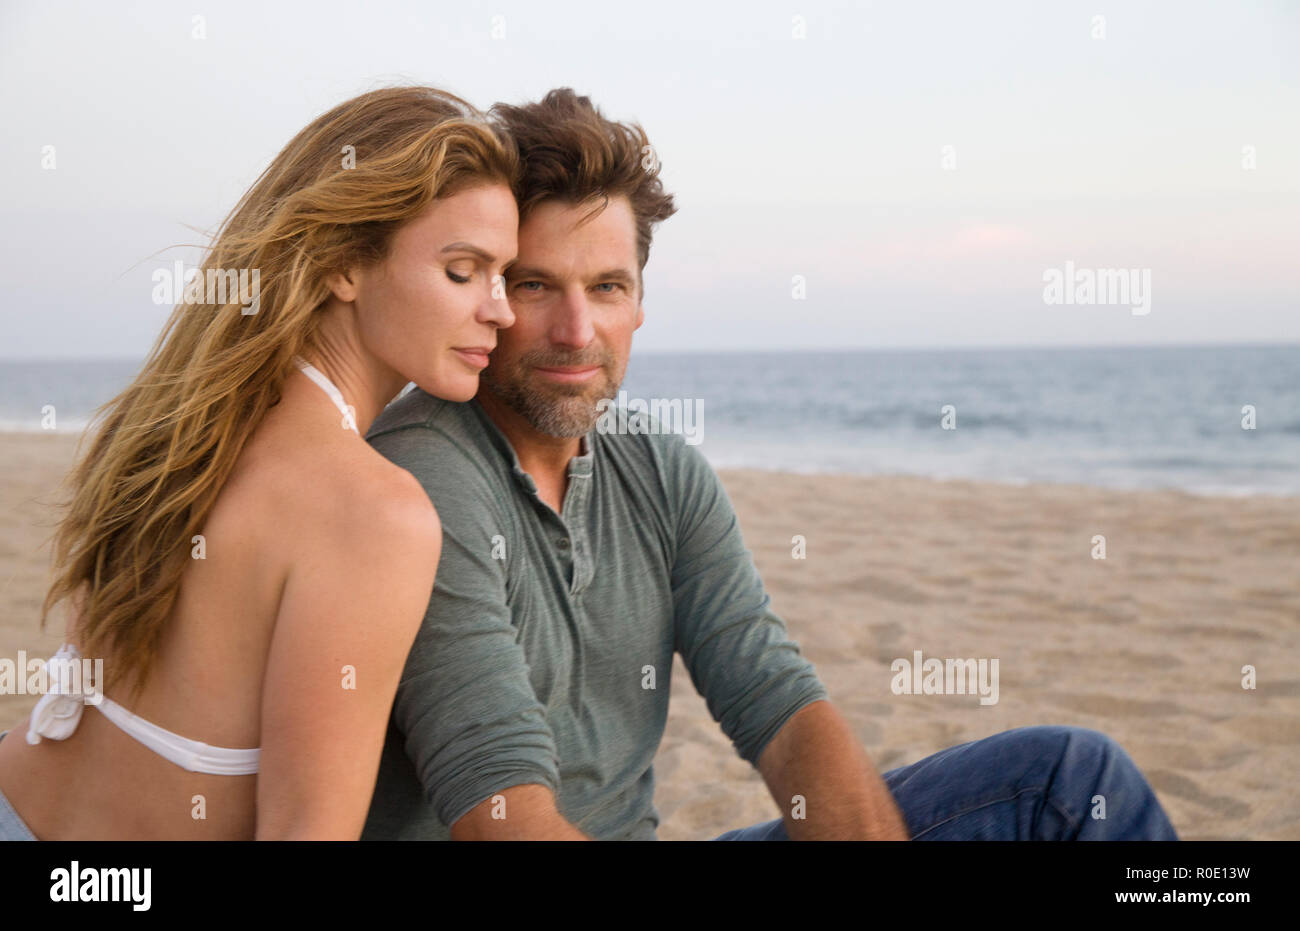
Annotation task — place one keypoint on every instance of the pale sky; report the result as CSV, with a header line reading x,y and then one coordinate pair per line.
x,y
820,156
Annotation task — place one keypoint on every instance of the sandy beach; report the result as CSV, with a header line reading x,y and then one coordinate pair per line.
x,y
1146,645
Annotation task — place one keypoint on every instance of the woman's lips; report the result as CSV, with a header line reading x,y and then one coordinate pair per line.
x,y
475,356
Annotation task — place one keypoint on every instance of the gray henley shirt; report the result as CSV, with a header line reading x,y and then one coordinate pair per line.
x,y
546,651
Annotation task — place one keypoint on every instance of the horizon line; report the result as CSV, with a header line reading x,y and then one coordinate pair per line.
x,y
992,347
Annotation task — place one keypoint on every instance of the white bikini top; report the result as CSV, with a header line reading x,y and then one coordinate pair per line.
x,y
58,713
316,375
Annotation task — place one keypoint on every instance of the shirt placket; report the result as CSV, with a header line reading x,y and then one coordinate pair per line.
x,y
577,502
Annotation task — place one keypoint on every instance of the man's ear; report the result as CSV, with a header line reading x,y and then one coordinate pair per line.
x,y
640,316
344,284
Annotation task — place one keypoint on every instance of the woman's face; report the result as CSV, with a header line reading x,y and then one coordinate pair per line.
x,y
432,308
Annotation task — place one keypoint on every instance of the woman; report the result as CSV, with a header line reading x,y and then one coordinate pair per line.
x,y
250,570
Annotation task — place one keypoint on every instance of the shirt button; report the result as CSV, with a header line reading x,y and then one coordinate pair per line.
x,y
562,543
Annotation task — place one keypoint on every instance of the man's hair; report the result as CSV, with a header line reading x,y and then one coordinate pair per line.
x,y
572,154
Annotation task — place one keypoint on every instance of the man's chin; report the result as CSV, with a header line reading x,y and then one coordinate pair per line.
x,y
569,417
560,410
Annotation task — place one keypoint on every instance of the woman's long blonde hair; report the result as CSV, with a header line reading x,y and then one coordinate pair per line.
x,y
332,199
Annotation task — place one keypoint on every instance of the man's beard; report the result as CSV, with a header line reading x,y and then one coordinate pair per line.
x,y
554,408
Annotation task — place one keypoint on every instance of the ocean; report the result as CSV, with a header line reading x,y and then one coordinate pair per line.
x,y
1169,417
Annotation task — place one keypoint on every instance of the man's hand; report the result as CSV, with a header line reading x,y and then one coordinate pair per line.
x,y
816,756
526,812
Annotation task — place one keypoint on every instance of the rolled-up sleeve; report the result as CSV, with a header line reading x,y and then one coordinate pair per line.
x,y
471,722
739,655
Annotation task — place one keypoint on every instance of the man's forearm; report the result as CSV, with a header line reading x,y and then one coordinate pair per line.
x,y
817,758
523,812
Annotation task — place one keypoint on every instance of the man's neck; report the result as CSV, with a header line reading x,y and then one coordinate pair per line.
x,y
544,457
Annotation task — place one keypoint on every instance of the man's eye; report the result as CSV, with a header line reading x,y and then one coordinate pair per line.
x,y
525,285
459,279
609,284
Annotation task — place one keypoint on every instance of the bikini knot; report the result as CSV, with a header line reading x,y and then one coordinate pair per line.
x,y
59,711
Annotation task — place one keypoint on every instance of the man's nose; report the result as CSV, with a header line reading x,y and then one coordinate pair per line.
x,y
572,325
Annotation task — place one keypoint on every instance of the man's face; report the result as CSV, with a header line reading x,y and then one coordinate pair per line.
x,y
576,295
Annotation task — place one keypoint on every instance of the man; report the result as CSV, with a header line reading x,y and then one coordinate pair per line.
x,y
576,561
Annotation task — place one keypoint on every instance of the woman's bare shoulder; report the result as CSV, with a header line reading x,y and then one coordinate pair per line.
x,y
339,491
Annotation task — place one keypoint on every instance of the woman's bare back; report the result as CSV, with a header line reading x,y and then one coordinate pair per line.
x,y
299,485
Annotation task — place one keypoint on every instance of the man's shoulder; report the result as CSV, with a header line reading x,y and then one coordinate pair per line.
x,y
654,445
668,476
444,444
420,428
418,408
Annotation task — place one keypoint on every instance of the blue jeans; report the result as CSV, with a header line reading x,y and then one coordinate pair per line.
x,y
1030,783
